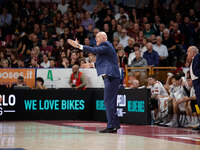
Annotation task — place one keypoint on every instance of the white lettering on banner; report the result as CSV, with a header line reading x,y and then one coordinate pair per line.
x,y
10,101
15,75
121,102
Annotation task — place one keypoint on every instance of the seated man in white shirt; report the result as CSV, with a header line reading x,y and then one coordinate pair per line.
x,y
158,92
177,94
162,51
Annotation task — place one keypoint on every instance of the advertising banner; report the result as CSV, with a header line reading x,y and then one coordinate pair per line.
x,y
133,106
9,77
59,78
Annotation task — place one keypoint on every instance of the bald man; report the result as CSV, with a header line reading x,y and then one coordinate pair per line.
x,y
194,56
107,66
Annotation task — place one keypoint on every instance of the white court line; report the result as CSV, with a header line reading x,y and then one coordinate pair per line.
x,y
9,110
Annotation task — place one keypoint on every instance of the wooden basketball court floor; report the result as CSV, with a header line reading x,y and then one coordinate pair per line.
x,y
78,135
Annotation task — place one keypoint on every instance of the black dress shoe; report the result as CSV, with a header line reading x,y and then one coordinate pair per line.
x,y
197,128
109,130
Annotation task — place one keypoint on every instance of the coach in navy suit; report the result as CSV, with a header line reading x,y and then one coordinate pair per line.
x,y
106,66
194,56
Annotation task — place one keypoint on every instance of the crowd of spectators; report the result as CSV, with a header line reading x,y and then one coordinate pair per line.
x,y
158,34
36,35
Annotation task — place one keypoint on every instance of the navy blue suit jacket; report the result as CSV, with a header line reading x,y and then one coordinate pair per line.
x,y
106,59
196,65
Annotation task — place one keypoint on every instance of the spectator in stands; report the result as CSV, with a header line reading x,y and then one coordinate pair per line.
x,y
60,46
122,59
5,63
95,15
118,32
14,59
45,63
81,34
63,6
5,22
90,31
115,43
2,57
151,56
45,49
171,46
153,38
91,58
156,23
140,37
48,38
73,58
148,31
21,63
87,21
134,32
92,40
124,22
40,84
88,6
123,37
139,61
188,29
113,25
113,6
66,35
129,49
82,62
136,47
46,19
162,51
60,29
120,14
159,32
52,62
77,78
65,63
23,29
16,43
108,31
179,39
54,10
34,63
143,47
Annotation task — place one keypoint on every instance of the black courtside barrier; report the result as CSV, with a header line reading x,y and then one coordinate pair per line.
x,y
133,106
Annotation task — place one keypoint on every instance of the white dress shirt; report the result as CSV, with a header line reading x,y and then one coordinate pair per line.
x,y
193,77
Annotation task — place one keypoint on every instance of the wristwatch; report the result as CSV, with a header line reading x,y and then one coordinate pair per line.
x,y
78,46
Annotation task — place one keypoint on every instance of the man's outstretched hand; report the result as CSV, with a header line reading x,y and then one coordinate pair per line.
x,y
73,43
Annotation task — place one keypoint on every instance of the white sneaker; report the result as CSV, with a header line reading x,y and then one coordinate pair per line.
x,y
172,123
196,124
188,125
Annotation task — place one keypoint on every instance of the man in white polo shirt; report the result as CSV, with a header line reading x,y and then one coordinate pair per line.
x,y
162,51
